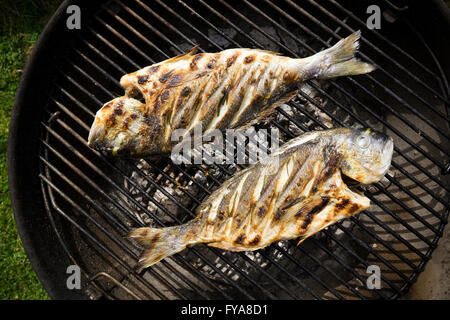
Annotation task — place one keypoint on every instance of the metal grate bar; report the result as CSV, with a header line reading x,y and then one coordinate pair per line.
x,y
138,34
116,282
104,57
357,257
346,267
337,20
169,178
193,12
334,33
426,154
119,36
95,241
148,9
115,49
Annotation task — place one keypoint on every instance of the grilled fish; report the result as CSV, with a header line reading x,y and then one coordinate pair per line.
x,y
296,193
232,89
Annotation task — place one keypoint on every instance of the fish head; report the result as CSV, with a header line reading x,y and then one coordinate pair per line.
x,y
119,128
366,155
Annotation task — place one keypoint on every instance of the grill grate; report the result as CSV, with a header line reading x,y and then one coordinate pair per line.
x,y
93,201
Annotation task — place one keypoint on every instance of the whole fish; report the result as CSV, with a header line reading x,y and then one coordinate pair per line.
x,y
232,89
296,193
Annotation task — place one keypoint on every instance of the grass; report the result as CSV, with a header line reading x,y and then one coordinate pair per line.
x,y
21,22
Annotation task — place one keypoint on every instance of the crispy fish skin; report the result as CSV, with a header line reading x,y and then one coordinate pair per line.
x,y
294,195
234,88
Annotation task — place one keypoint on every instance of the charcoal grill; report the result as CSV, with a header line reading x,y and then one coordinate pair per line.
x,y
74,206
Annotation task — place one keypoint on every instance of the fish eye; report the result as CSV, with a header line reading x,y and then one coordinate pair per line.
x,y
363,141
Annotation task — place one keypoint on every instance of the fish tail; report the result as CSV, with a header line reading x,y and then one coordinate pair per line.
x,y
160,243
339,60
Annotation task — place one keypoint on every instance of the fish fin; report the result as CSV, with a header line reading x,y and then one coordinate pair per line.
x,y
303,238
268,112
159,243
303,205
339,60
182,56
298,200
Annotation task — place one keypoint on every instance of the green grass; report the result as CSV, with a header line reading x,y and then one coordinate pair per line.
x,y
20,25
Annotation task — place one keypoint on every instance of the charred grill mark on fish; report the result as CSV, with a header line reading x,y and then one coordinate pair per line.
x,y
175,81
195,59
166,76
240,239
278,215
249,59
153,70
212,62
255,241
232,60
165,95
185,91
142,79
315,210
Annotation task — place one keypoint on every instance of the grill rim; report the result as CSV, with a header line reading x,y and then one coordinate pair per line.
x,y
18,196
21,207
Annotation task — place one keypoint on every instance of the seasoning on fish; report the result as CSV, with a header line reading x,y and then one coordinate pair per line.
x,y
234,88
295,194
